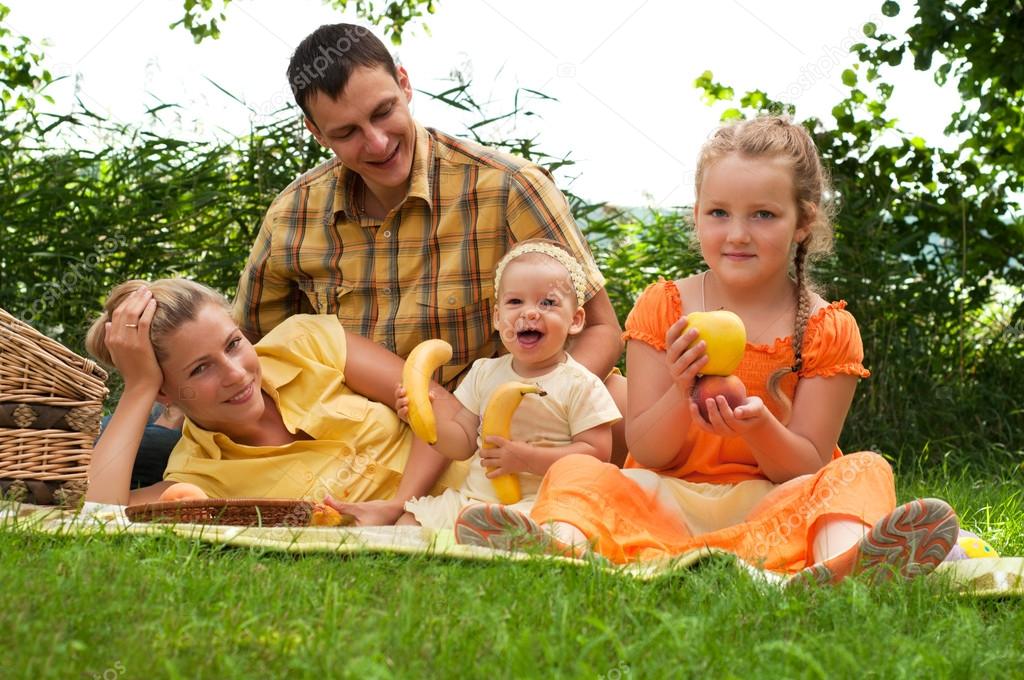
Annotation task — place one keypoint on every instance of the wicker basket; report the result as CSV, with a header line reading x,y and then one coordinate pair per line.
x,y
39,374
244,512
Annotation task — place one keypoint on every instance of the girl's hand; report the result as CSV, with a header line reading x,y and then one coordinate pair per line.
x,y
726,421
127,339
506,458
684,362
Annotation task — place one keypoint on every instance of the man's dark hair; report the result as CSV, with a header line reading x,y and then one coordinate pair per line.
x,y
324,61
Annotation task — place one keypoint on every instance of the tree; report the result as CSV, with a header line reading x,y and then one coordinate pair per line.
x,y
201,18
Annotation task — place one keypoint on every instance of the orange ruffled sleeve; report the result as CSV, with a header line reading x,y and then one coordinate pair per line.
x,y
833,345
657,308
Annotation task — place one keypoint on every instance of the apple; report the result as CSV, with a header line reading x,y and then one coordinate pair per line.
x,y
710,386
725,336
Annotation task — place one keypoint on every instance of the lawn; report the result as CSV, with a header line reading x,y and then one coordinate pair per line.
x,y
141,607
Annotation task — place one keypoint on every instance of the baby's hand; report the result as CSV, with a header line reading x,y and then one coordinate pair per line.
x,y
401,403
726,421
506,458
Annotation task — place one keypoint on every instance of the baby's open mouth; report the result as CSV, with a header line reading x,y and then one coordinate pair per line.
x,y
529,338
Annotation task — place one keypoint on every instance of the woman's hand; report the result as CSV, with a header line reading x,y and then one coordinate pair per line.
x,y
127,339
506,458
726,421
684,362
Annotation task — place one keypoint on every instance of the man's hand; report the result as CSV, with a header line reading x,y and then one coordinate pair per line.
x,y
507,457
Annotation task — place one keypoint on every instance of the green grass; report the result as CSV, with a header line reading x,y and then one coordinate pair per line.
x,y
140,607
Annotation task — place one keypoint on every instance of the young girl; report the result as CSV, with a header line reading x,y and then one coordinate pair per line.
x,y
298,415
764,480
539,288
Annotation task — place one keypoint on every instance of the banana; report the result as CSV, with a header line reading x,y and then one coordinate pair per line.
x,y
498,421
423,360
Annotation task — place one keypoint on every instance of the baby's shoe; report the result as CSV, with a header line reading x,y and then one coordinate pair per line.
x,y
504,528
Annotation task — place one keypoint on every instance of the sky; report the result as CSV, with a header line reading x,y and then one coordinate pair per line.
x,y
622,72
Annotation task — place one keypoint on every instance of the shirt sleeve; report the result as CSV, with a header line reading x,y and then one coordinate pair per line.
x,y
654,311
833,345
590,404
537,209
265,297
469,390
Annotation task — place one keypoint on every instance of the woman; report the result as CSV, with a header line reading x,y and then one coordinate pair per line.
x,y
301,414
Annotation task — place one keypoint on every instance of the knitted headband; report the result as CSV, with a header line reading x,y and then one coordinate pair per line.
x,y
579,281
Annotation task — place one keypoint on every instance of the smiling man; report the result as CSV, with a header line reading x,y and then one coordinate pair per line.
x,y
400,233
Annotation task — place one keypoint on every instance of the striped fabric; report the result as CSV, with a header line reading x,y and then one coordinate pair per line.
x,y
427,270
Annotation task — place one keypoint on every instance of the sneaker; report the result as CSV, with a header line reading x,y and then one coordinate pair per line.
x,y
910,541
503,528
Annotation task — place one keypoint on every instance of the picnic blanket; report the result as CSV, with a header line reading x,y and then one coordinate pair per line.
x,y
986,577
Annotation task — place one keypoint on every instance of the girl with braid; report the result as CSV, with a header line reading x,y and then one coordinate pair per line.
x,y
765,480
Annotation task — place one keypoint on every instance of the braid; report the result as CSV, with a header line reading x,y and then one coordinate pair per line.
x,y
803,313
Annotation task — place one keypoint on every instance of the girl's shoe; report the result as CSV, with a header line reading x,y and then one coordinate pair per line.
x,y
503,528
910,541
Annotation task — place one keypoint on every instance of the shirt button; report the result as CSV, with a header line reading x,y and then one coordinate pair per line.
x,y
387,291
451,299
387,234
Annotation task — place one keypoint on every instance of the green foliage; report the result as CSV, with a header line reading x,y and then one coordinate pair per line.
x,y
201,19
80,220
927,251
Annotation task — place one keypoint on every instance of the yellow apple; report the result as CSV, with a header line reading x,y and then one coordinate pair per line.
x,y
725,336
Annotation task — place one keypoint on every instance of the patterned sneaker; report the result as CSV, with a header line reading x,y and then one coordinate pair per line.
x,y
501,527
910,541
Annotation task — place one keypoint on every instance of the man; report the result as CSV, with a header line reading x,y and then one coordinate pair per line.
x,y
399,235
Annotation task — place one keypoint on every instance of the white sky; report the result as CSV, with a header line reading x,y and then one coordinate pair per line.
x,y
623,71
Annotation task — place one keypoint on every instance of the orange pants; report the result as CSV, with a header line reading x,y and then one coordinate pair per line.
x,y
626,523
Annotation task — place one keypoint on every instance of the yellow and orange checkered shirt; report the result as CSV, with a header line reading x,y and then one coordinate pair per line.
x,y
427,270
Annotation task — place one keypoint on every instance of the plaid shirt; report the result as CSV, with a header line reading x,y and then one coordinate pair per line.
x,y
427,270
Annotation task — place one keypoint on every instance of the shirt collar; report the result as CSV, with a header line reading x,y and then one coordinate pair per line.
x,y
420,177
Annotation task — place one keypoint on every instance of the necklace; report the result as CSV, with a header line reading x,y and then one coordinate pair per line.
x,y
753,338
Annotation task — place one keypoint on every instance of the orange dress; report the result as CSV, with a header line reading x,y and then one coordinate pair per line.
x,y
772,526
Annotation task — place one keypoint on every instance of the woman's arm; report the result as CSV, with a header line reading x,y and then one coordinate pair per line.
x,y
512,457
127,337
374,372
659,384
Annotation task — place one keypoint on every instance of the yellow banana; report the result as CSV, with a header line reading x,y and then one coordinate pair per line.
x,y
423,360
498,421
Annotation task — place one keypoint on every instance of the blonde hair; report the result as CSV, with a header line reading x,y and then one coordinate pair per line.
x,y
178,301
778,137
551,250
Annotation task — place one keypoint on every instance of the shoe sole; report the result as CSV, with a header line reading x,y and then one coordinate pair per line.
x,y
909,542
497,526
